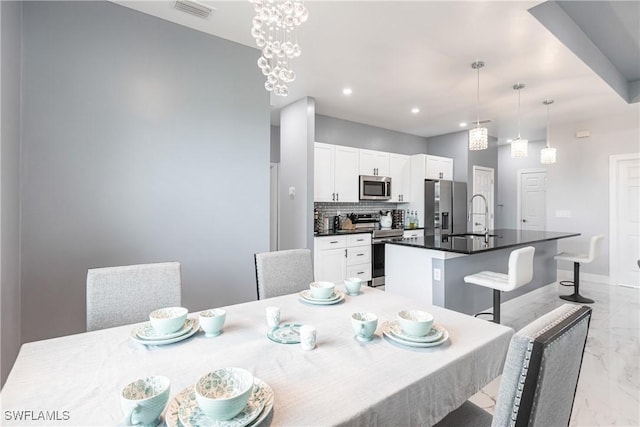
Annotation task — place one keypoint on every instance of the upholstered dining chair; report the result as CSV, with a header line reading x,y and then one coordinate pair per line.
x,y
283,272
122,295
540,374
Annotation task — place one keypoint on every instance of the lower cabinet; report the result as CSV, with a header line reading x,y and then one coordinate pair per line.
x,y
339,257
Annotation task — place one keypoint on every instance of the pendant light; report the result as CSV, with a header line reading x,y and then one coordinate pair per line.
x,y
478,137
548,154
519,146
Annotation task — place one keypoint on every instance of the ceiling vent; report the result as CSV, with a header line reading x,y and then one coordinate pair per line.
x,y
194,8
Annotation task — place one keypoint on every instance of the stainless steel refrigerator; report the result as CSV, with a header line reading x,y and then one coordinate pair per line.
x,y
445,207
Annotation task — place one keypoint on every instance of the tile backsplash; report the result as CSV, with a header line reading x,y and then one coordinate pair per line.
x,y
329,210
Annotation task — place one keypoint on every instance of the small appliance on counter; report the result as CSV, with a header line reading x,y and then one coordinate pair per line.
x,y
397,219
368,220
386,221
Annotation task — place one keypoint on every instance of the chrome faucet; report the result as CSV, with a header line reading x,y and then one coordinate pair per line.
x,y
486,214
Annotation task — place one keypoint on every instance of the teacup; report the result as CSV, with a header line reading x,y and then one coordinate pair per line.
x,y
322,290
416,323
168,320
211,321
353,285
143,400
364,325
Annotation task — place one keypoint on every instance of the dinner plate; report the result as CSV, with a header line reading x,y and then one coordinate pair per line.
x,y
194,328
387,331
435,334
147,332
287,333
339,296
190,414
261,392
306,294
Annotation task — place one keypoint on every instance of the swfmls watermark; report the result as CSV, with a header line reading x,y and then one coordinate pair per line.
x,y
31,415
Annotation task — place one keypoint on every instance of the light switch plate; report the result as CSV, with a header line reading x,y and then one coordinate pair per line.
x,y
436,274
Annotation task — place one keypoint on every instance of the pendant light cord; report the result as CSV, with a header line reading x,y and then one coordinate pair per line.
x,y
478,101
548,146
519,113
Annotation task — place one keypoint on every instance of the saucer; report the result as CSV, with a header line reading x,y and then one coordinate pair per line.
x,y
435,334
261,392
147,332
305,297
388,332
194,328
190,414
287,333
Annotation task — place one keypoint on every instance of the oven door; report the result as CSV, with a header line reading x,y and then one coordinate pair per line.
x,y
377,263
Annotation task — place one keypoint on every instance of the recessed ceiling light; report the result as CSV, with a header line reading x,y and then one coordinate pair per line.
x,y
463,124
415,110
347,91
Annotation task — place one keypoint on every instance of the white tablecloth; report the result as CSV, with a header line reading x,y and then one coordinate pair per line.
x,y
341,382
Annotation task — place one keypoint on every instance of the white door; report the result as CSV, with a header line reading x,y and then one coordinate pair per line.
x,y
273,207
346,174
323,173
625,209
482,184
533,199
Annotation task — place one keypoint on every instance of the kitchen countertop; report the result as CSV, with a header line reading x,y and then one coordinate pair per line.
x,y
356,231
502,238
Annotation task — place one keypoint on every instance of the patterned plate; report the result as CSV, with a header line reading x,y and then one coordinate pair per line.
x,y
387,331
339,297
190,414
146,331
261,393
306,294
194,328
435,334
287,333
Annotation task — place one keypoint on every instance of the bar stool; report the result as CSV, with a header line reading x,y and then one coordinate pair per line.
x,y
519,274
577,259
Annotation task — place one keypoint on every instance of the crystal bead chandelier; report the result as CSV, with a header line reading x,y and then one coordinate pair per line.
x,y
519,146
274,28
548,154
478,137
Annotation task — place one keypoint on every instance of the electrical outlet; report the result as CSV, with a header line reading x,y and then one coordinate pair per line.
x,y
436,274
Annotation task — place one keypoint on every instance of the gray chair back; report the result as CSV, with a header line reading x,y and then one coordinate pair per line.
x,y
541,371
122,295
283,272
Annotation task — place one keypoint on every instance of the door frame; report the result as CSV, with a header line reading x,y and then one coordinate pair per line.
x,y
519,194
491,207
614,165
274,209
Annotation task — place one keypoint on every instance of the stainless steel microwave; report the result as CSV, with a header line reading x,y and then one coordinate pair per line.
x,y
375,187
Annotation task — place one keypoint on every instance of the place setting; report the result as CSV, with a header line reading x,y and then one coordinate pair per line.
x,y
289,333
165,326
321,293
415,328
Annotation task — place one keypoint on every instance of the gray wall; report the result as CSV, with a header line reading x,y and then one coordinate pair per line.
x,y
343,132
143,141
11,23
578,182
453,145
296,170
275,144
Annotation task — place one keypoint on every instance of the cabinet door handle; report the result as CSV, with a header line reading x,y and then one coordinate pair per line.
x,y
334,241
360,255
337,197
333,196
345,253
360,272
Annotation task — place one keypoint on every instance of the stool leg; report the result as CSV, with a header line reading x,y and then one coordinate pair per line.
x,y
496,306
575,296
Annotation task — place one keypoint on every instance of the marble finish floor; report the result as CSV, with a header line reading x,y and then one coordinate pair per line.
x,y
609,386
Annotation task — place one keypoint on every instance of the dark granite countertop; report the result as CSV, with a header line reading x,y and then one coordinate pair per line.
x,y
501,239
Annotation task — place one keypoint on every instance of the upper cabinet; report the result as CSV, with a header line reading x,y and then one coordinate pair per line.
x,y
335,173
438,167
374,163
400,173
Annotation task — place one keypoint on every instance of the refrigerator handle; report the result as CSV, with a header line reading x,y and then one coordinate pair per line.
x,y
444,224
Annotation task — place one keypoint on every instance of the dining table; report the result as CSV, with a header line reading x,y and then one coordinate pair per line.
x,y
76,380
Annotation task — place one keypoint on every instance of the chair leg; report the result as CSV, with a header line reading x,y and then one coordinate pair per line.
x,y
575,296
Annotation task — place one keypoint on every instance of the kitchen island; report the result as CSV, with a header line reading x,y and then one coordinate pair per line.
x,y
430,269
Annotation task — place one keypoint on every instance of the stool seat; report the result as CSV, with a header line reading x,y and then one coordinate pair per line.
x,y
519,274
572,257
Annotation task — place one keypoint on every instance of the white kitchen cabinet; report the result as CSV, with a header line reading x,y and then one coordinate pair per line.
x,y
374,163
400,173
437,167
335,172
409,234
339,257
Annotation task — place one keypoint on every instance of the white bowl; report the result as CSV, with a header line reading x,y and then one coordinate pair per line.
x,y
168,320
221,394
322,290
353,285
415,322
211,321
